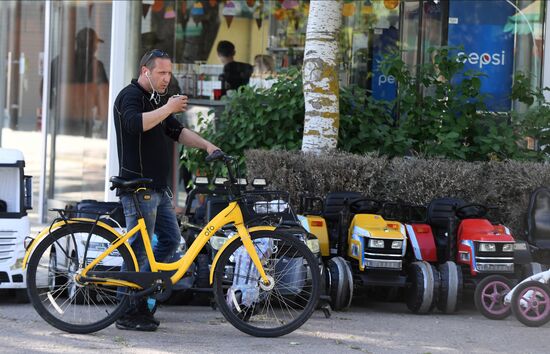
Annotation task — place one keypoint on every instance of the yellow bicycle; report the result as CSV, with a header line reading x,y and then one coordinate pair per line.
x,y
265,279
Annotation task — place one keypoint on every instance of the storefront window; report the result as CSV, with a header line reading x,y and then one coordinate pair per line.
x,y
370,30
79,96
21,48
190,31
497,38
500,37
527,25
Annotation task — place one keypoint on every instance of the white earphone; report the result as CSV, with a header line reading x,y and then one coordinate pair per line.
x,y
155,96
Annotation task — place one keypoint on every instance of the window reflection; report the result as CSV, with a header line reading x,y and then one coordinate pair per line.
x,y
81,87
21,49
79,96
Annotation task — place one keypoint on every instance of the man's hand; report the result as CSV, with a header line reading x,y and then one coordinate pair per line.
x,y
210,148
177,104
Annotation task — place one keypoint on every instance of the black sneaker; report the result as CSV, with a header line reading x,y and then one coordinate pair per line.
x,y
142,309
137,323
150,317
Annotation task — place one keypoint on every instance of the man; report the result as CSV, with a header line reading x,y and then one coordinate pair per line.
x,y
144,122
235,74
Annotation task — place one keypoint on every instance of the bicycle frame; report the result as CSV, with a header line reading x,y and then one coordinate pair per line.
x,y
231,214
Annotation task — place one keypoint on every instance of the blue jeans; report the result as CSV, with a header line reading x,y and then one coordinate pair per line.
x,y
160,218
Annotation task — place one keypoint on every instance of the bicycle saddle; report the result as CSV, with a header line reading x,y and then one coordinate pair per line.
x,y
128,185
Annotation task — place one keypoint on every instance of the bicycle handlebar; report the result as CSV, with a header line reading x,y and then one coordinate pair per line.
x,y
218,155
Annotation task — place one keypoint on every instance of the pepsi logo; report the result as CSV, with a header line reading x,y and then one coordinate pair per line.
x,y
482,59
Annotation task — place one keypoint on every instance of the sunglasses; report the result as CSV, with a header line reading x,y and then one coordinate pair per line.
x,y
153,54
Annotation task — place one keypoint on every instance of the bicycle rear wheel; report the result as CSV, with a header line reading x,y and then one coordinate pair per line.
x,y
278,308
52,287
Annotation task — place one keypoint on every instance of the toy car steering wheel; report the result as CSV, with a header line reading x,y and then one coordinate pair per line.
x,y
364,205
471,211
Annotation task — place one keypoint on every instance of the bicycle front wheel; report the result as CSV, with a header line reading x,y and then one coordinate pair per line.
x,y
52,285
279,307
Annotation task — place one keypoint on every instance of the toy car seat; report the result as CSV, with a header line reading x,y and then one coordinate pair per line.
x,y
442,219
538,218
335,202
90,208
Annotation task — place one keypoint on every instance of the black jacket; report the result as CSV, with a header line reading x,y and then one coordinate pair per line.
x,y
143,154
235,75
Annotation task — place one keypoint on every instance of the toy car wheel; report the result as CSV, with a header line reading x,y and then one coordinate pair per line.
x,y
450,288
421,296
340,283
531,303
489,297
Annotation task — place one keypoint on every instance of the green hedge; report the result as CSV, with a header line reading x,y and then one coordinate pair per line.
x,y
506,185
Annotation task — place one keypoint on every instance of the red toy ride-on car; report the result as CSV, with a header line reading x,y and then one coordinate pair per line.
x,y
472,252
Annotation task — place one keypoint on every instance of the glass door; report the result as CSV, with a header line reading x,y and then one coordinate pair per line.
x,y
79,88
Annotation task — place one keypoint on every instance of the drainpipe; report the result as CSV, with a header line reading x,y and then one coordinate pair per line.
x,y
45,111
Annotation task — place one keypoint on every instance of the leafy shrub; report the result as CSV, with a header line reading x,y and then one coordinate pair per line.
x,y
256,119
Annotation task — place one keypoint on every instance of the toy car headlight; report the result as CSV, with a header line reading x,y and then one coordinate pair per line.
x,y
217,242
242,181
487,247
219,181
520,246
374,243
508,247
313,245
397,244
259,182
201,181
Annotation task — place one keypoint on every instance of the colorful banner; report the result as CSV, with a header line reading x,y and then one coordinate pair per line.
x,y
478,27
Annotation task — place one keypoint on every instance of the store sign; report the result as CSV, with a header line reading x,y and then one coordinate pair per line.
x,y
482,59
479,30
384,87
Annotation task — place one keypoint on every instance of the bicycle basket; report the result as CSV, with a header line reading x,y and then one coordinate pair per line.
x,y
266,207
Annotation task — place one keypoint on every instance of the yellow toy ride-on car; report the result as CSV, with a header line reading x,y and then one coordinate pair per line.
x,y
373,249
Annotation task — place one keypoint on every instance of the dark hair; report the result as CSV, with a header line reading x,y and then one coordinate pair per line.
x,y
226,49
86,38
148,59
